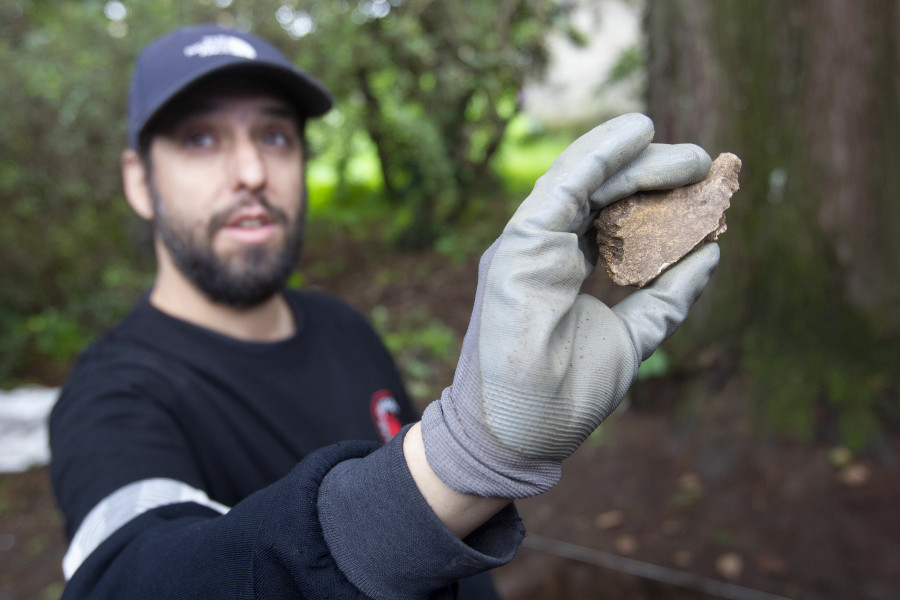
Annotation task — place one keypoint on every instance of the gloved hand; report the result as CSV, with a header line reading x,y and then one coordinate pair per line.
x,y
542,365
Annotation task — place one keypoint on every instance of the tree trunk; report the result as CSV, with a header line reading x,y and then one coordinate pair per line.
x,y
807,93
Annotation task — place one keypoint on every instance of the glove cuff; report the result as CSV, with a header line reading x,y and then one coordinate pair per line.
x,y
478,464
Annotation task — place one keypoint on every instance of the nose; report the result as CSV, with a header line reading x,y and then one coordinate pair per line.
x,y
247,166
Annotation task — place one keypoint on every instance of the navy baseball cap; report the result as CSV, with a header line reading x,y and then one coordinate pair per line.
x,y
174,62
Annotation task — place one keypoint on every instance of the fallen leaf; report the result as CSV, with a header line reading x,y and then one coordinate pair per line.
x,y
730,565
626,544
609,519
683,559
772,565
855,475
690,482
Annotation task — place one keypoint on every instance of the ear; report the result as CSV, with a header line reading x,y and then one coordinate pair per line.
x,y
137,186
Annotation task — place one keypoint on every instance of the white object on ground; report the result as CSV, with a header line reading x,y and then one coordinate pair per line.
x,y
23,427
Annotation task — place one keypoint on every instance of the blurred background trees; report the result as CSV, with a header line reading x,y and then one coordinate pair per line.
x,y
65,233
434,85
806,92
426,91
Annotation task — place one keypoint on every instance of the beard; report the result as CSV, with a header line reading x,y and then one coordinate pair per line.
x,y
247,278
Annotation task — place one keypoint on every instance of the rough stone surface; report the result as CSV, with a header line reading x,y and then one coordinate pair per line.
x,y
643,235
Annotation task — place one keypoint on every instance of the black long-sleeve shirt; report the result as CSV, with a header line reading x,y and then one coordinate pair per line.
x,y
301,538
161,415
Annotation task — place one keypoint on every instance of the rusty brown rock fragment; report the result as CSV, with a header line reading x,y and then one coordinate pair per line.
x,y
643,235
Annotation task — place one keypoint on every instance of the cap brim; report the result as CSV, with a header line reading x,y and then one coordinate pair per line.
x,y
303,92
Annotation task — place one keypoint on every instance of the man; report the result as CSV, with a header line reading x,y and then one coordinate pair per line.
x,y
185,442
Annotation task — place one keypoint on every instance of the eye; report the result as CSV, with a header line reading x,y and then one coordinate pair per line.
x,y
199,139
277,138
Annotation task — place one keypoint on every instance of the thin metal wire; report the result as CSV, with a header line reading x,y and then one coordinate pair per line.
x,y
646,570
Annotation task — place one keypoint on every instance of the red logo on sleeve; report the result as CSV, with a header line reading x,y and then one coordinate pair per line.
x,y
385,414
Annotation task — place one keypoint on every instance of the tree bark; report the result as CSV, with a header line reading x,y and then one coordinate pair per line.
x,y
807,93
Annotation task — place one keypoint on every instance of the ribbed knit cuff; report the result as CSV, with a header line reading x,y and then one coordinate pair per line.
x,y
389,543
479,464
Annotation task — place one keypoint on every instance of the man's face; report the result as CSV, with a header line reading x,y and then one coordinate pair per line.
x,y
227,184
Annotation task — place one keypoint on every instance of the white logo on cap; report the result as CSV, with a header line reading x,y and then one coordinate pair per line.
x,y
217,45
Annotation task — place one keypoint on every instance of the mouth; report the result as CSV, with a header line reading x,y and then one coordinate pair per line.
x,y
250,225
249,219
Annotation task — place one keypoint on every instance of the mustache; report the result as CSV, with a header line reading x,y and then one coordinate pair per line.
x,y
219,219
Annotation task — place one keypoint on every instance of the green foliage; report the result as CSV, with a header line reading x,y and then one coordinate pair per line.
x,y
656,365
526,153
826,383
65,222
629,64
56,335
434,85
422,345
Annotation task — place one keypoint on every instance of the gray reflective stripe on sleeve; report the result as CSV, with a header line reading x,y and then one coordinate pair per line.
x,y
122,506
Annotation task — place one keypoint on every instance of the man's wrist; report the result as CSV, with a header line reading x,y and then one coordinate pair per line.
x,y
461,513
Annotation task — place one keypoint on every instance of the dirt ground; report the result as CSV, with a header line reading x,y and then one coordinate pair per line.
x,y
675,497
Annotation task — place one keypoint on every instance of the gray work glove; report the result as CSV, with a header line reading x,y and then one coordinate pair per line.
x,y
542,365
